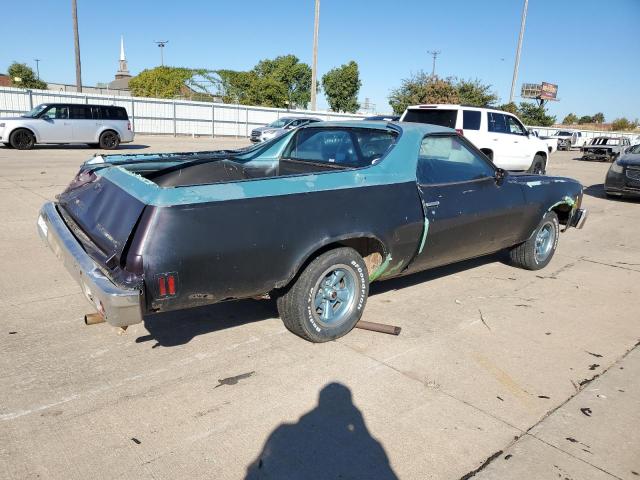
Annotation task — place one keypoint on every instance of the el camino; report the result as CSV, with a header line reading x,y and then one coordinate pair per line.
x,y
310,218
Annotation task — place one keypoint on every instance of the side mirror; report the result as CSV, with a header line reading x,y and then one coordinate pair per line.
x,y
500,175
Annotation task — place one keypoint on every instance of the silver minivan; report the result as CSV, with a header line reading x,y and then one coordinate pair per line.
x,y
104,126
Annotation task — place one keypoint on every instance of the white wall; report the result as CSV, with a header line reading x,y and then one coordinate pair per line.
x,y
159,116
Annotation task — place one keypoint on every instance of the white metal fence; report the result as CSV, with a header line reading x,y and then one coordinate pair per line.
x,y
547,131
159,116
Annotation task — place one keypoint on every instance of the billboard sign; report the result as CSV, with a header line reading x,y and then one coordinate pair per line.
x,y
549,91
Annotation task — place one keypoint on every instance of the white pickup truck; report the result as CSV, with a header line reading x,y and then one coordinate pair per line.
x,y
498,134
568,139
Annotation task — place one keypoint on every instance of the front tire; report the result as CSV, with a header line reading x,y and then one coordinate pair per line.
x,y
328,298
109,140
538,166
537,252
22,139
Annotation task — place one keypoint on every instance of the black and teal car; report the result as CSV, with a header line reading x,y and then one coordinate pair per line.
x,y
310,218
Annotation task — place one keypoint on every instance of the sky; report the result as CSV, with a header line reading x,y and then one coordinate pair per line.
x,y
590,48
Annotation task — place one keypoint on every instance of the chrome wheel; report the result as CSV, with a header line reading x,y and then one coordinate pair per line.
x,y
334,295
545,240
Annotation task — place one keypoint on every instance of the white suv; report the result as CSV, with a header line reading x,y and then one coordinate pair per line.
x,y
498,134
105,126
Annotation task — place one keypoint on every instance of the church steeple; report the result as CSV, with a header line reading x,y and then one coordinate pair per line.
x,y
123,71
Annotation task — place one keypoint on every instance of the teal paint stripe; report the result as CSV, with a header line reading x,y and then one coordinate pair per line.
x,y
425,232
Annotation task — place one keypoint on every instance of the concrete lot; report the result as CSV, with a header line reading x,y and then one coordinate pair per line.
x,y
493,363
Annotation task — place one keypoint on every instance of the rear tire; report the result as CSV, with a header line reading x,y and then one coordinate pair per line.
x,y
327,299
537,252
109,140
538,166
22,139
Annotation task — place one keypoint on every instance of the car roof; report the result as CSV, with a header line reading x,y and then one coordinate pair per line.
x,y
55,104
299,118
439,106
421,128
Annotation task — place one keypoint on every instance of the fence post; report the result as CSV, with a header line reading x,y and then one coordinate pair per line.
x,y
30,99
246,122
213,120
133,115
237,119
174,119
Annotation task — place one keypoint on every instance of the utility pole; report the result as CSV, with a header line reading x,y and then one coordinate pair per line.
x,y
434,54
37,60
517,65
161,44
76,42
314,67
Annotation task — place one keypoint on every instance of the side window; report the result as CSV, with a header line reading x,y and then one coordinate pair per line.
x,y
58,112
326,146
79,112
497,122
514,127
449,160
113,113
95,113
471,120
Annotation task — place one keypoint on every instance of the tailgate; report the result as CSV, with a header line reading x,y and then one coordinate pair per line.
x,y
104,212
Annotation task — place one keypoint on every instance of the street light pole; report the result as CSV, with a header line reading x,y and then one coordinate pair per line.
x,y
161,44
76,42
518,51
37,60
314,67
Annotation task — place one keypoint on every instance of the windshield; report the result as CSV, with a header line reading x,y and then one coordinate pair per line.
x,y
35,112
279,123
634,149
562,133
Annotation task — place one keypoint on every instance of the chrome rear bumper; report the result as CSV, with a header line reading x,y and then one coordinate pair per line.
x,y
120,306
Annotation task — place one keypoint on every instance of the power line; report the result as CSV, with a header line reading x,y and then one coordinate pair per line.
x,y
434,54
161,44
518,51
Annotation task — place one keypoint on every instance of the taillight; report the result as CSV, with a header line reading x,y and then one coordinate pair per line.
x,y
129,126
460,131
167,284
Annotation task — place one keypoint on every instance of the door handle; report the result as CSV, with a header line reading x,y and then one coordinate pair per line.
x,y
431,204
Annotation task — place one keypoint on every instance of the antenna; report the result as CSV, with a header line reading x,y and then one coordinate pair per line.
x,y
434,54
161,44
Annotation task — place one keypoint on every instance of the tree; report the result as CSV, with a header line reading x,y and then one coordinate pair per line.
x,y
341,86
623,124
598,117
160,82
532,114
509,107
26,77
585,119
570,119
294,76
422,88
475,93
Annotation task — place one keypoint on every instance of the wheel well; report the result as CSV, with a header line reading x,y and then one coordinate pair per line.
x,y
108,130
488,152
563,211
370,249
542,154
23,128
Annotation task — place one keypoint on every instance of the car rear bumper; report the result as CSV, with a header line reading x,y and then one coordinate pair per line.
x,y
119,306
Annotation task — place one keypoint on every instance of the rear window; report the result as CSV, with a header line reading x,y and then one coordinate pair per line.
x,y
436,116
113,113
346,147
471,120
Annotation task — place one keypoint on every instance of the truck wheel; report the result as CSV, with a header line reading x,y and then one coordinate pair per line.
x,y
538,251
109,140
538,165
22,139
328,298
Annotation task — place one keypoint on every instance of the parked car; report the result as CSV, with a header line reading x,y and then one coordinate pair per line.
x,y
384,118
568,139
605,149
311,218
103,126
499,135
279,127
623,177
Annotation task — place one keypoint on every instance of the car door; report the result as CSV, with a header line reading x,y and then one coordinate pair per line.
x,y
469,210
523,145
82,123
54,125
507,150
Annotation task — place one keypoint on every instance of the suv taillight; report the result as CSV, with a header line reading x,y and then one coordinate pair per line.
x,y
129,126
